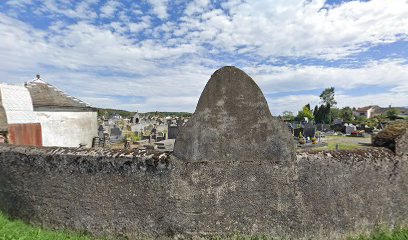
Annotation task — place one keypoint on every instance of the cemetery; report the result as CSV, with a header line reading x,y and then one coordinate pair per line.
x,y
139,131
195,177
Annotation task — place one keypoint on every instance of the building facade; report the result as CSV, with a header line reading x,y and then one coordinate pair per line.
x,y
39,114
18,123
66,121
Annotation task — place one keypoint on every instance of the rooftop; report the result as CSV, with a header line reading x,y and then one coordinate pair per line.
x,y
47,97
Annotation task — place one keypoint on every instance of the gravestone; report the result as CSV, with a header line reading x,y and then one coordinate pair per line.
x,y
350,128
297,131
309,131
116,132
101,131
173,131
232,121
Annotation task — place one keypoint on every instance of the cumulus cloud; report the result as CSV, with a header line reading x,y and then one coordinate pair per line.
x,y
159,7
109,9
391,73
302,28
164,53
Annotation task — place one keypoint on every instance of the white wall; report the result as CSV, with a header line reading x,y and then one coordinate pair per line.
x,y
17,104
68,129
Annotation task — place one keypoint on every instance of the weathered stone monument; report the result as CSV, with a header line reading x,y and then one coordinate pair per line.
x,y
232,121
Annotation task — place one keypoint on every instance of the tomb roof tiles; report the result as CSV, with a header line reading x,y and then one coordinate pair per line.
x,y
45,96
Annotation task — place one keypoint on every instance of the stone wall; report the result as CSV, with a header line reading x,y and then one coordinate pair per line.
x,y
401,144
104,193
234,169
321,195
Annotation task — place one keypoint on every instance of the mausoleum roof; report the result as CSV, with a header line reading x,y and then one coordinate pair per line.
x,y
47,97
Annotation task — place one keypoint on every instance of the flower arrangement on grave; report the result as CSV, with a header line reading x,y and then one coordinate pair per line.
x,y
357,133
314,140
302,140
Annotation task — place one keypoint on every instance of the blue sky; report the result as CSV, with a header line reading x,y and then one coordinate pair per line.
x,y
150,55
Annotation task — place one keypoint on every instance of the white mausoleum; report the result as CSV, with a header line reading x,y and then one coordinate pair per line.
x,y
65,121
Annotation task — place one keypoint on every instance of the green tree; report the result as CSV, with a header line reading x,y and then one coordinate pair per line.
x,y
327,118
347,114
327,97
316,111
323,114
335,113
318,114
305,112
288,115
393,113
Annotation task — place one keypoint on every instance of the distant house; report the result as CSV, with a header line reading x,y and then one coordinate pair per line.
x,y
372,111
367,112
65,120
18,123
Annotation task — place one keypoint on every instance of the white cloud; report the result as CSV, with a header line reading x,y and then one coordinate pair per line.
x,y
298,28
169,66
71,9
292,103
109,9
139,26
196,6
19,3
288,78
159,7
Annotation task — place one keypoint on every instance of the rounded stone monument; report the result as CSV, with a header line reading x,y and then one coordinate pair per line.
x,y
232,121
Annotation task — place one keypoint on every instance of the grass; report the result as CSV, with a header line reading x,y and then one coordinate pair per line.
x,y
396,234
17,230
345,143
342,146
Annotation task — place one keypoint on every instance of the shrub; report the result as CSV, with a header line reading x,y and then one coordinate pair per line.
x,y
133,137
386,138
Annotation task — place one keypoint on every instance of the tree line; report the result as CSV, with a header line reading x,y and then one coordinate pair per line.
x,y
327,112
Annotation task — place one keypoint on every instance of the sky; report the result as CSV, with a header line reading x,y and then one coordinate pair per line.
x,y
157,55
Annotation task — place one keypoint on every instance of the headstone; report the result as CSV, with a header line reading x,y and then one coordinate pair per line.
x,y
116,132
338,121
101,131
232,121
105,140
350,128
297,131
95,142
309,131
173,130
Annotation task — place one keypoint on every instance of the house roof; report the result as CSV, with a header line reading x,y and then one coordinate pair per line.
x,y
47,97
380,110
365,109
